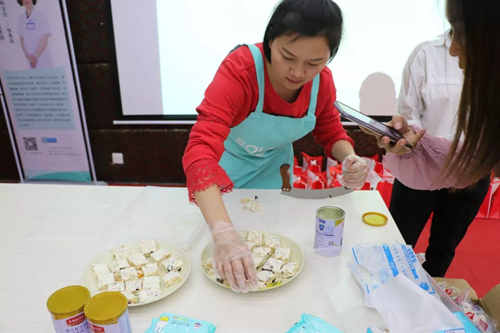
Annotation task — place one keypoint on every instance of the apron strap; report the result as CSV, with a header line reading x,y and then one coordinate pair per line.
x,y
314,96
259,68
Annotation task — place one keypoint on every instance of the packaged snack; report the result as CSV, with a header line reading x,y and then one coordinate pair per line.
x,y
483,322
170,323
311,324
312,162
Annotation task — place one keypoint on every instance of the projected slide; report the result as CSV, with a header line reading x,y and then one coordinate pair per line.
x,y
185,45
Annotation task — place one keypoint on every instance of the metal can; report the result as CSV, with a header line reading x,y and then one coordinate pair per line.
x,y
66,306
108,312
329,231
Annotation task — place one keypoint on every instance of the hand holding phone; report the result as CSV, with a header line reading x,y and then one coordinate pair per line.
x,y
376,127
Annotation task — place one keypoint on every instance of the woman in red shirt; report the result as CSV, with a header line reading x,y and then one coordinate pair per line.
x,y
262,99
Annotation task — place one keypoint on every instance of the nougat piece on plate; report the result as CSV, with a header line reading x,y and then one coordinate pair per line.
x,y
273,265
100,269
160,254
151,282
172,278
151,270
173,263
137,260
290,269
116,265
251,245
104,280
131,298
255,237
116,286
257,260
266,277
147,246
262,251
283,254
133,286
129,273
209,264
272,241
121,253
146,295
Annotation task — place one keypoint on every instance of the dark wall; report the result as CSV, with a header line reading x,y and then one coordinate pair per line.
x,y
152,154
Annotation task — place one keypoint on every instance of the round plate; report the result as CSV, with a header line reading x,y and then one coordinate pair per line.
x,y
106,258
295,256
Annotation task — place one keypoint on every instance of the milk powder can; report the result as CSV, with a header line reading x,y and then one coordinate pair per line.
x,y
66,306
329,231
108,312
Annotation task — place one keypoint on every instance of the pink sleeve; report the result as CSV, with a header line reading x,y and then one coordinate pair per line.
x,y
421,169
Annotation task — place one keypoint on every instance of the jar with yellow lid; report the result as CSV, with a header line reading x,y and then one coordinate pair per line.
x,y
66,306
108,312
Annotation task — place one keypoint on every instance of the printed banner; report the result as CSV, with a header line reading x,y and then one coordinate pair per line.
x,y
37,78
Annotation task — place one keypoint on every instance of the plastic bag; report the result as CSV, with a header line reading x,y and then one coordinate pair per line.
x,y
170,323
311,324
376,264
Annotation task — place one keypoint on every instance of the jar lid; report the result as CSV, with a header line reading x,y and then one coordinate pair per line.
x,y
375,219
106,308
68,301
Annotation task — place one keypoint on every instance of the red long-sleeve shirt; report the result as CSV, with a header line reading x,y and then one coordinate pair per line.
x,y
230,98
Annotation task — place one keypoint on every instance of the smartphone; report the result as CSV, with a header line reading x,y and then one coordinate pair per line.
x,y
369,123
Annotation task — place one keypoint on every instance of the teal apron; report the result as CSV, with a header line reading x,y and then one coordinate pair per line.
x,y
257,148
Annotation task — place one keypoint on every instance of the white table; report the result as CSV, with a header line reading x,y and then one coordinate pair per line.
x,y
34,267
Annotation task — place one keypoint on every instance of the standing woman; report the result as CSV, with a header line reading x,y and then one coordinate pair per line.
x,y
34,32
440,163
430,95
262,99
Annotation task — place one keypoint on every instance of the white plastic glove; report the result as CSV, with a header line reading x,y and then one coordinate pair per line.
x,y
354,172
232,258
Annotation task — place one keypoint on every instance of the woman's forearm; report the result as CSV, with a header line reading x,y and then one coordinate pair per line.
x,y
341,149
421,169
211,205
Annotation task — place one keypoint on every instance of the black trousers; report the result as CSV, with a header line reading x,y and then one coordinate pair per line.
x,y
453,212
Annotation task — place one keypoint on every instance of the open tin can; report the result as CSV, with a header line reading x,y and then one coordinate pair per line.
x,y
329,231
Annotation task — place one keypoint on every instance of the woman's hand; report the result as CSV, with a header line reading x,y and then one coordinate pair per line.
x,y
232,258
399,123
354,172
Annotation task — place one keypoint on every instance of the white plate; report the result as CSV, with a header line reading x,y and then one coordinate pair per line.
x,y
295,256
106,258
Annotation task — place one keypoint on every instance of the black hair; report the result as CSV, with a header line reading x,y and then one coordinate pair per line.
x,y
305,18
476,26
20,2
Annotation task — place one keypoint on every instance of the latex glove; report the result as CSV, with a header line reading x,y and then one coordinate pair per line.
x,y
232,258
354,172
399,123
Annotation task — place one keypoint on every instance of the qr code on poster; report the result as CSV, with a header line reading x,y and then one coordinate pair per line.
x,y
30,144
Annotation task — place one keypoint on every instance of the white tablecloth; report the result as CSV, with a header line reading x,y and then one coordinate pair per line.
x,y
34,264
